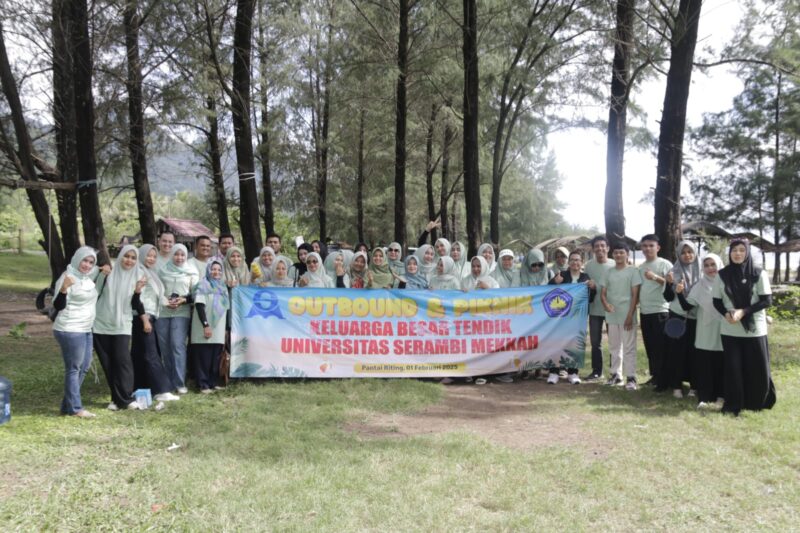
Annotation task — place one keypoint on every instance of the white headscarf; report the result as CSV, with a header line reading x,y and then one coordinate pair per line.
x,y
701,293
446,246
493,264
114,304
259,271
471,282
152,273
446,279
426,269
505,277
320,278
74,270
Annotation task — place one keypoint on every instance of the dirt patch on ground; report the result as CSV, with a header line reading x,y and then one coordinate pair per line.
x,y
523,415
17,307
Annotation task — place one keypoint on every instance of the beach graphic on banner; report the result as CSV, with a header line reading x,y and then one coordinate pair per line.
x,y
346,333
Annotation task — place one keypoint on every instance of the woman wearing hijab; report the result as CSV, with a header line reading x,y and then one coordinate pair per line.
x,y
280,273
261,268
504,274
299,268
533,271
148,368
321,248
679,355
358,271
316,276
379,275
119,296
486,250
172,327
707,342
444,279
479,277
560,262
235,268
75,302
396,263
459,255
414,280
211,304
336,268
442,247
361,247
426,260
741,293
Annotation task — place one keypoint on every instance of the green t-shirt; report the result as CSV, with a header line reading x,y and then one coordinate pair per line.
x,y
618,284
761,288
597,271
651,293
217,332
707,336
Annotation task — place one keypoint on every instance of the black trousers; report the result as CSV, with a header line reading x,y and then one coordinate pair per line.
x,y
748,382
206,364
709,375
654,340
148,368
114,354
596,340
679,357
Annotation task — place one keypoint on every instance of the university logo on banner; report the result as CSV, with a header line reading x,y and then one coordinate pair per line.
x,y
345,333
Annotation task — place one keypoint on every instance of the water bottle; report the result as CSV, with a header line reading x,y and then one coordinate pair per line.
x,y
5,400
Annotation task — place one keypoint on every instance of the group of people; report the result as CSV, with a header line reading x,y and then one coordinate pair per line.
x,y
157,308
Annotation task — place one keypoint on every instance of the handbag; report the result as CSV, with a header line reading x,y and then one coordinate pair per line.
x,y
675,327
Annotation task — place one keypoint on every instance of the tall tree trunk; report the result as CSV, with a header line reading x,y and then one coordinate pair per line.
x,y
136,142
93,232
443,195
264,148
27,168
215,157
673,124
472,183
64,121
360,178
430,168
617,120
242,129
326,117
400,128
776,180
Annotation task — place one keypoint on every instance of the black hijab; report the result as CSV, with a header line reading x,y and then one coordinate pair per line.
x,y
300,266
323,249
740,280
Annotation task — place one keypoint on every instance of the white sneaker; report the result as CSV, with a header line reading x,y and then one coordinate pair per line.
x,y
112,407
574,379
692,393
702,406
631,384
182,390
133,406
166,397
552,379
677,393
505,378
206,391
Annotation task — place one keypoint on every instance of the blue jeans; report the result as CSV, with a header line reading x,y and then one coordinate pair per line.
x,y
76,348
173,333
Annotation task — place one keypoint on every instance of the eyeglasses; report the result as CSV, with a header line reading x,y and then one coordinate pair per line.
x,y
312,261
534,265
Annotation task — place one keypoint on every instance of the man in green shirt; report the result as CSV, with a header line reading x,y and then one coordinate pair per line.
x,y
654,309
620,296
596,269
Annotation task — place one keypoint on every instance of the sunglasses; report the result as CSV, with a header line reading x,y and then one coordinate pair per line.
x,y
312,261
393,250
533,265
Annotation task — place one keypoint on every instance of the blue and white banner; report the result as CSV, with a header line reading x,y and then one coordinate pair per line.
x,y
346,333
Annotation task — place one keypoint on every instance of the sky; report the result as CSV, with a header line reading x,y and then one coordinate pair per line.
x,y
581,153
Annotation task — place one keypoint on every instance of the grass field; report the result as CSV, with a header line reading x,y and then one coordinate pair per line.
x,y
23,272
286,456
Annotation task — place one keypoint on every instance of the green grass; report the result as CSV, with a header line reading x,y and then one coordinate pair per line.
x,y
23,272
277,456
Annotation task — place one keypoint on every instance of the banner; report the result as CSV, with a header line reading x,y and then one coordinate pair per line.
x,y
347,333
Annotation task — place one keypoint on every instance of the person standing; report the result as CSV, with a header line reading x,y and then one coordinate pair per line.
x,y
596,268
211,304
653,308
202,252
224,242
620,295
75,302
274,242
572,275
741,294
120,294
148,368
172,328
